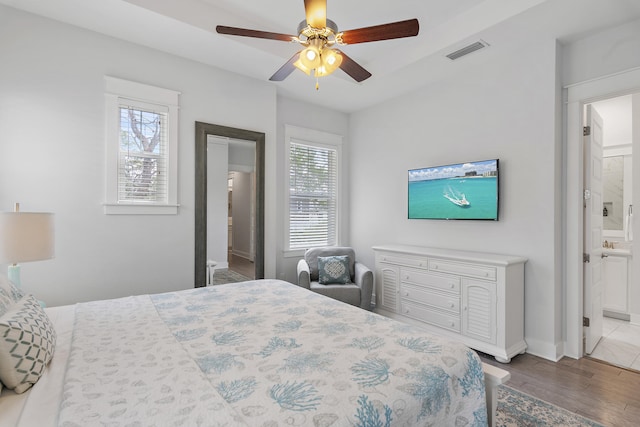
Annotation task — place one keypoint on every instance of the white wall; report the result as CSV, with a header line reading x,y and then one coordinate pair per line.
x,y
505,109
607,52
634,280
600,66
52,156
217,201
241,212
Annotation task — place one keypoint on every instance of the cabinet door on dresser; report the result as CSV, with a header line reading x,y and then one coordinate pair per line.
x,y
479,310
388,288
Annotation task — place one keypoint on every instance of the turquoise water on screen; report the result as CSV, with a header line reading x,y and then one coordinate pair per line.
x,y
426,198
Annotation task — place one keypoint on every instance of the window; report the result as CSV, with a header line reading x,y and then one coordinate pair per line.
x,y
142,150
312,163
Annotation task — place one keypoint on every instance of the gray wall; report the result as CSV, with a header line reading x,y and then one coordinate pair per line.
x,y
241,212
290,112
52,156
505,109
596,61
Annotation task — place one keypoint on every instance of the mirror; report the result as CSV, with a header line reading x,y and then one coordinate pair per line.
x,y
203,130
613,193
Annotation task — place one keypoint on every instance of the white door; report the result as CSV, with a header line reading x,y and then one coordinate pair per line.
x,y
593,286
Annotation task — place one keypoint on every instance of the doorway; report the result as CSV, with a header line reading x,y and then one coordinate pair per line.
x,y
577,97
203,132
620,341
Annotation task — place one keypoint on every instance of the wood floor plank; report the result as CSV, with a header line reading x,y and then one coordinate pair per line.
x,y
602,392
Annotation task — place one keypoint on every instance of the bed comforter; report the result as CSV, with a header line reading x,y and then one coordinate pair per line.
x,y
262,353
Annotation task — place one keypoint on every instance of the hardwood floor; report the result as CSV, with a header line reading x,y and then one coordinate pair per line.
x,y
242,266
594,389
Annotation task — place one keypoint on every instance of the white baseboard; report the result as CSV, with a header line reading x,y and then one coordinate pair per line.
x,y
544,349
242,254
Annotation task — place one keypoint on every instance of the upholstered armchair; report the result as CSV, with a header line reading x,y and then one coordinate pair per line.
x,y
334,272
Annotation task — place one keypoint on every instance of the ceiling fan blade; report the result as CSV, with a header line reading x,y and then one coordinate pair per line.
x,y
316,12
285,70
233,31
394,30
352,68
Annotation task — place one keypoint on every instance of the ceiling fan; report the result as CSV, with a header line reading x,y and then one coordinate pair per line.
x,y
319,35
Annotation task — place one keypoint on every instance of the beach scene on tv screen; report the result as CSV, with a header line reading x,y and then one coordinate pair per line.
x,y
457,191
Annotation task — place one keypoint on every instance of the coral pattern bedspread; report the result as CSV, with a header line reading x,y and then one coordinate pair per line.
x,y
262,353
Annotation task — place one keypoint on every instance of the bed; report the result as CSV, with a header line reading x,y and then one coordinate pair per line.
x,y
256,353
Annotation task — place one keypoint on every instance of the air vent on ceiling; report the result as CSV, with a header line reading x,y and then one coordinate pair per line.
x,y
467,50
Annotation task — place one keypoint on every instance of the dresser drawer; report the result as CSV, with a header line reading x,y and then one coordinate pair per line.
x,y
470,270
444,301
411,262
428,315
435,281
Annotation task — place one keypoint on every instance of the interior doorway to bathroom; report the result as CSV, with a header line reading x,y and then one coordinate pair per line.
x,y
620,340
577,96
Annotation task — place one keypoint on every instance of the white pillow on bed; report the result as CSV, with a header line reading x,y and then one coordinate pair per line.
x,y
27,343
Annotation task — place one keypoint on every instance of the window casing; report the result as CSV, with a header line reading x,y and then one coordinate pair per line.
x,y
312,202
142,150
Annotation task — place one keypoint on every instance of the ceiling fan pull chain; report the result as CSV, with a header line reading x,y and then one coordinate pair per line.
x,y
317,84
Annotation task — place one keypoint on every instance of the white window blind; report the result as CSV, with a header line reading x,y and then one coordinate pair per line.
x,y
142,160
313,182
142,148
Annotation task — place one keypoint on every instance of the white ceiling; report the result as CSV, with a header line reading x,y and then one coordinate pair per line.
x,y
187,28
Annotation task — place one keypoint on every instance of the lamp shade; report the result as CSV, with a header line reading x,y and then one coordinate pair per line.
x,y
26,236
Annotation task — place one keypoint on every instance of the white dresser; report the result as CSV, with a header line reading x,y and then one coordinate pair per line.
x,y
477,298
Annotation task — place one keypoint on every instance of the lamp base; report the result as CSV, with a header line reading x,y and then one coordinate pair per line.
x,y
13,274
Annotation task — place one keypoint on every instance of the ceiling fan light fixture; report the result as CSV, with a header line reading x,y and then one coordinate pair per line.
x,y
331,61
300,66
310,57
319,35
332,58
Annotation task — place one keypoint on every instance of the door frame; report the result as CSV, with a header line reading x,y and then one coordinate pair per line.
x,y
203,130
577,96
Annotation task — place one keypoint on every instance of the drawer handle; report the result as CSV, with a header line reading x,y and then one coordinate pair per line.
x,y
406,294
406,277
421,264
406,310
435,266
452,305
453,324
453,285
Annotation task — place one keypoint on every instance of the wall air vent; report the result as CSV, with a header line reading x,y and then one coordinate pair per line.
x,y
467,50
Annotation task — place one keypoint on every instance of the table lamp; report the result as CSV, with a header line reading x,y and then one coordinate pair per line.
x,y
25,236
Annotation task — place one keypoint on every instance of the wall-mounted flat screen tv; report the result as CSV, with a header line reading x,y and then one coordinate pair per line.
x,y
456,191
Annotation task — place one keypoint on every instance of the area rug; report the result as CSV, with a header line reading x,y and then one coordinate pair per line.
x,y
518,409
224,275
